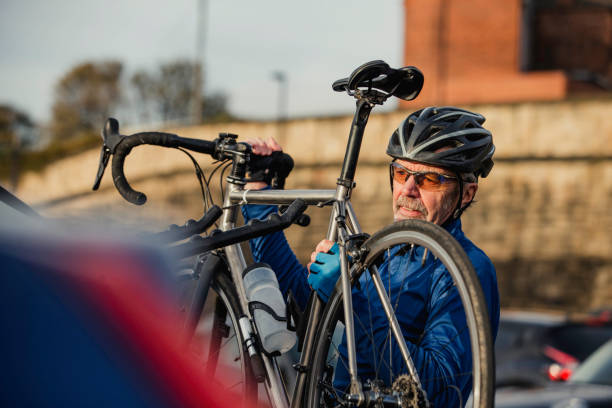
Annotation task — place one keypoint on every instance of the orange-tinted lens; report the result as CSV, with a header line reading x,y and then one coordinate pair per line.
x,y
400,175
430,181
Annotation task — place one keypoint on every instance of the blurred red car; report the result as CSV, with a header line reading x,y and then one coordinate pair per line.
x,y
534,348
590,386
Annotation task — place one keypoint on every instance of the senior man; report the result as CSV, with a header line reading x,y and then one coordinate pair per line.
x,y
438,154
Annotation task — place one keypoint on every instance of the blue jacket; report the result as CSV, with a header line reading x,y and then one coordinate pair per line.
x,y
428,311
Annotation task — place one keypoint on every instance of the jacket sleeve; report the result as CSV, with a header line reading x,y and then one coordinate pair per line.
x,y
274,250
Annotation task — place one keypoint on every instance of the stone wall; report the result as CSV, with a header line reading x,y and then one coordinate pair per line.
x,y
543,215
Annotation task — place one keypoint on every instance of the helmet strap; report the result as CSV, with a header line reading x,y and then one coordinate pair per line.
x,y
391,175
458,208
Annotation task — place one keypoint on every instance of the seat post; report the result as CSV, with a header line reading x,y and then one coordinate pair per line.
x,y
362,113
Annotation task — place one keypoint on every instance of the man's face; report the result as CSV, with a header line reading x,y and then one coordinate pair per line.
x,y
412,202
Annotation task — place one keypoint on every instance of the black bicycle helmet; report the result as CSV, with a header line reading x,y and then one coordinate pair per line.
x,y
422,135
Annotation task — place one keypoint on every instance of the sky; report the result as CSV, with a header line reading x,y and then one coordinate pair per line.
x,y
244,42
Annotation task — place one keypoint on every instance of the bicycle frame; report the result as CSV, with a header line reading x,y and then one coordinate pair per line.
x,y
343,223
371,84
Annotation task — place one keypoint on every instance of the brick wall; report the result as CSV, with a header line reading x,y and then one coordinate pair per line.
x,y
470,53
574,36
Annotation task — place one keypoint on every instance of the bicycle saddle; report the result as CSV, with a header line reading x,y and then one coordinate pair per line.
x,y
404,83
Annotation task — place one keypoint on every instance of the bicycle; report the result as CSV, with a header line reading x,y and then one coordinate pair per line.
x,y
221,270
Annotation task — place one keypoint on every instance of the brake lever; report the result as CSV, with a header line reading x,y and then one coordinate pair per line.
x,y
110,139
104,156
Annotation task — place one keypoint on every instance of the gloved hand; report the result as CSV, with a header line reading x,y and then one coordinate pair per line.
x,y
324,271
268,165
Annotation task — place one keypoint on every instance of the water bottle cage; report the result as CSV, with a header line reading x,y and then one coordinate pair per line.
x,y
294,314
297,319
254,305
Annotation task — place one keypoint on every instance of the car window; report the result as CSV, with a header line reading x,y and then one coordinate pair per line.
x,y
509,333
578,340
517,334
597,368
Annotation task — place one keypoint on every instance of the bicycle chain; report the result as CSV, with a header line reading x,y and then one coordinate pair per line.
x,y
411,394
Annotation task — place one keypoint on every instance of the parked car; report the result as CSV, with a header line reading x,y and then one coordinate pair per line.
x,y
90,320
534,348
589,386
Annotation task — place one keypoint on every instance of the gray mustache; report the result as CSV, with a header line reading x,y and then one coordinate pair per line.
x,y
411,204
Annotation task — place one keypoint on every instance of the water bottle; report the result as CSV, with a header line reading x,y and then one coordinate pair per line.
x,y
268,309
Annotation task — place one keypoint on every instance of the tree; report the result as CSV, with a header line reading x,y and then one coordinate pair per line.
x,y
166,95
17,132
176,81
145,87
16,128
214,108
85,97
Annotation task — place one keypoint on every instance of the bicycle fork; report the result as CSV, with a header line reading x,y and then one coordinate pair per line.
x,y
357,396
347,303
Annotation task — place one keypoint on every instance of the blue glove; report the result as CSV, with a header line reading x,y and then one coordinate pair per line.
x,y
324,272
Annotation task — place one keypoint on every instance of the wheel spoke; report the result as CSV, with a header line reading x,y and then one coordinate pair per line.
x,y
444,378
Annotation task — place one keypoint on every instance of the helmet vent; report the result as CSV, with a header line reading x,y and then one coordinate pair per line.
x,y
447,137
473,137
434,130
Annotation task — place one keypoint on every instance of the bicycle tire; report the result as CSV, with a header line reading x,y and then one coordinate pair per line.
x,y
320,385
224,353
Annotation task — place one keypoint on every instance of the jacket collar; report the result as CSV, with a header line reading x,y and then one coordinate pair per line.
x,y
454,227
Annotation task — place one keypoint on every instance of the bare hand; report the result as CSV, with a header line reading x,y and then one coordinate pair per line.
x,y
264,148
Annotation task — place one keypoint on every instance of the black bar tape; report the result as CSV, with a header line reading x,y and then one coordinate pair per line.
x,y
122,185
124,148
187,230
125,145
207,220
197,145
255,228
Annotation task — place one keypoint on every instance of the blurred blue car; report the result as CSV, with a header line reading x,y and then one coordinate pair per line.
x,y
89,319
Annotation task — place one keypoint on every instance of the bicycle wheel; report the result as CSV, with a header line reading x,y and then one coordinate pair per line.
x,y
384,381
220,345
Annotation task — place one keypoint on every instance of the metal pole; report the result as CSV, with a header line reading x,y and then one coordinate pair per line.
x,y
198,80
283,101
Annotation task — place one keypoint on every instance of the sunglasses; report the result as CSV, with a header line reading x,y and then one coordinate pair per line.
x,y
426,180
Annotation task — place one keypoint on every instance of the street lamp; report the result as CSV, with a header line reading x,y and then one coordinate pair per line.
x,y
283,99
198,80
